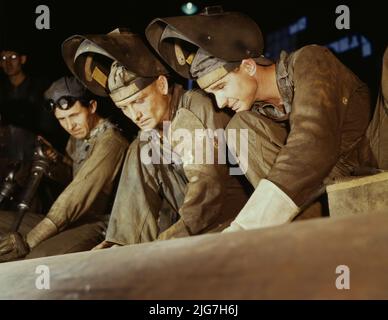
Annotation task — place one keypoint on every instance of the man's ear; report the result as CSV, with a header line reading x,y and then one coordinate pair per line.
x,y
249,66
23,59
162,84
93,106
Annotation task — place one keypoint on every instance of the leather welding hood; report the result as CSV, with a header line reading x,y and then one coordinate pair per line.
x,y
231,36
89,58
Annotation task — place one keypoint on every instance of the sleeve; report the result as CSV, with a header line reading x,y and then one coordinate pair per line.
x,y
61,171
318,109
205,188
97,172
384,77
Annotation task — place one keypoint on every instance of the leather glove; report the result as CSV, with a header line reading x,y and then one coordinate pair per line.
x,y
13,247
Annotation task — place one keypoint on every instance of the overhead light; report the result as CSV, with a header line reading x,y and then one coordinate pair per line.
x,y
189,8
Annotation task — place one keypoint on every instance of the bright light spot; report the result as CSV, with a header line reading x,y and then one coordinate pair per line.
x,y
189,8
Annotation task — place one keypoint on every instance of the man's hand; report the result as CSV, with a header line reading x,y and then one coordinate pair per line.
x,y
13,247
49,151
51,154
177,230
105,244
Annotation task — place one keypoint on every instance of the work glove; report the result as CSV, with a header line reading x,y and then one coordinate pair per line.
x,y
268,206
13,247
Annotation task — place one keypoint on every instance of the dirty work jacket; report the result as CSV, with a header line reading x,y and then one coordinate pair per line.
x,y
328,111
209,194
378,128
96,162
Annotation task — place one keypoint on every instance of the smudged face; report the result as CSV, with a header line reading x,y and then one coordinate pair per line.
x,y
79,120
149,107
237,90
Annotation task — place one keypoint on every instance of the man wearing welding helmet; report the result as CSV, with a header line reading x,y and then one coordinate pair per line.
x,y
306,114
78,218
157,199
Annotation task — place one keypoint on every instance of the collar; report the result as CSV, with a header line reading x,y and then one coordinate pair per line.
x,y
284,80
286,90
99,129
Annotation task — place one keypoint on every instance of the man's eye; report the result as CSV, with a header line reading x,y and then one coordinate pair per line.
x,y
218,87
139,100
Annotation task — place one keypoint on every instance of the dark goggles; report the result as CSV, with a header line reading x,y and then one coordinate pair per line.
x,y
65,103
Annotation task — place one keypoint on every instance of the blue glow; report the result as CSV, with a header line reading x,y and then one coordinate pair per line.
x,y
298,26
190,84
285,38
366,47
351,42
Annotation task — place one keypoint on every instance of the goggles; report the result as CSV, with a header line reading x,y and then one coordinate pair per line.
x,y
64,103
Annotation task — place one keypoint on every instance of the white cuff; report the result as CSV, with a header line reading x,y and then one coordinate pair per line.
x,y
42,231
267,206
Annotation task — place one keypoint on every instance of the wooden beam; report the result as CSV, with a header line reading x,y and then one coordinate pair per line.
x,y
295,261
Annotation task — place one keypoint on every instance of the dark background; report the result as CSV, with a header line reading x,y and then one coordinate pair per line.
x,y
367,19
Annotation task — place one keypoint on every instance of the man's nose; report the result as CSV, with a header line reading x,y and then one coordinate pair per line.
x,y
129,112
221,102
138,115
70,124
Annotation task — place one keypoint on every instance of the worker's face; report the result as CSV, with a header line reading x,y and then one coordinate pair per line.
x,y
237,90
149,107
79,120
12,62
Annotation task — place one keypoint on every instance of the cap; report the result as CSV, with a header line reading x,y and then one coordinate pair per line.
x,y
90,58
228,36
65,87
123,83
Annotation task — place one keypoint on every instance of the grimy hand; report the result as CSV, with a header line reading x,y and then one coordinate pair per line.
x,y
104,245
51,154
13,247
49,150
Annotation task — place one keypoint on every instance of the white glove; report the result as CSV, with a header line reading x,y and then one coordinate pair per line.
x,y
267,206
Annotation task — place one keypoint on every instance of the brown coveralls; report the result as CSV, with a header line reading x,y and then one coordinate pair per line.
x,y
321,134
164,201
80,212
378,128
